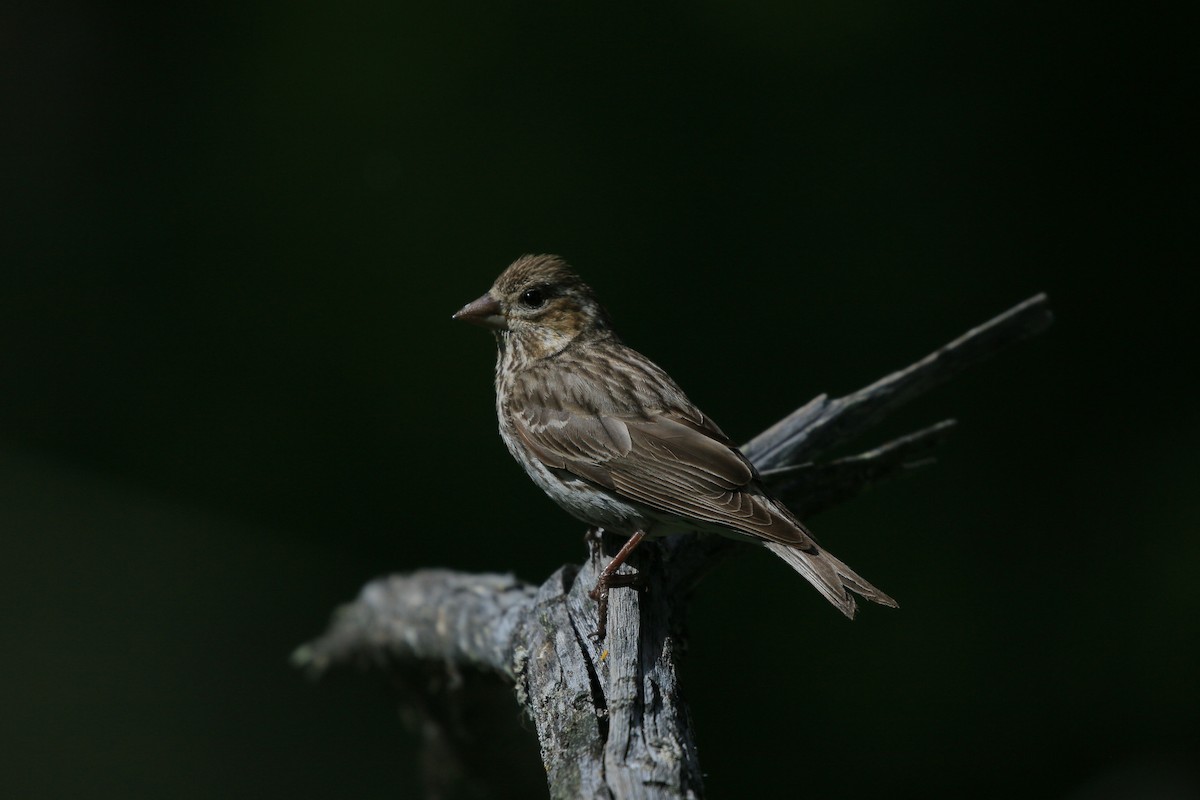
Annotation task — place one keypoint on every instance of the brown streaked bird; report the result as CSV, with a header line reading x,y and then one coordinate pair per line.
x,y
612,439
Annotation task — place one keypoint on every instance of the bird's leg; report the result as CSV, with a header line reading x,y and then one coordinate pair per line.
x,y
609,578
594,539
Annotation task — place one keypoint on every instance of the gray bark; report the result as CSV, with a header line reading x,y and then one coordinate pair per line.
x,y
609,717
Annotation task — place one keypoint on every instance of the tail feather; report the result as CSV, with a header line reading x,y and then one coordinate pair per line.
x,y
830,576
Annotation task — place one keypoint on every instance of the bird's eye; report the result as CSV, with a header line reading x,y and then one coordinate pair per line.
x,y
532,298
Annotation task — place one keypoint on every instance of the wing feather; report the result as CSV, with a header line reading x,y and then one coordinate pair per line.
x,y
666,461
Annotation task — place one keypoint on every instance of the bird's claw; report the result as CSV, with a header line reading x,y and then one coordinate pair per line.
x,y
599,593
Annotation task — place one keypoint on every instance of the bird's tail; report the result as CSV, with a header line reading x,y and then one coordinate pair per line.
x,y
831,577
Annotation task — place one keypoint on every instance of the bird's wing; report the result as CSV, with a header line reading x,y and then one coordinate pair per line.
x,y
673,461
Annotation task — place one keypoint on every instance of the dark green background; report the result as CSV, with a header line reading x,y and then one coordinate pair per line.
x,y
230,391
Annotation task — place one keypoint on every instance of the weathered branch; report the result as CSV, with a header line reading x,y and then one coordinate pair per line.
x,y
822,424
430,615
609,719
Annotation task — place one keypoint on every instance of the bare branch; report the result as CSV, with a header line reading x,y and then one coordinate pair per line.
x,y
812,487
823,423
433,615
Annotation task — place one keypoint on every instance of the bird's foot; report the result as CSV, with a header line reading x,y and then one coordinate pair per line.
x,y
609,578
601,631
600,591
631,579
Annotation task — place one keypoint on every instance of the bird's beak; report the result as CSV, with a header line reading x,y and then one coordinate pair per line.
x,y
484,312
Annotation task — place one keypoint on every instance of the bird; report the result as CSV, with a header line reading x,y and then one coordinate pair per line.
x,y
612,439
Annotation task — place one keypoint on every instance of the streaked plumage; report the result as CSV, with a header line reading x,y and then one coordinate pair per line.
x,y
612,439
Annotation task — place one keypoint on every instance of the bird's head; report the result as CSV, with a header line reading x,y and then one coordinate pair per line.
x,y
542,303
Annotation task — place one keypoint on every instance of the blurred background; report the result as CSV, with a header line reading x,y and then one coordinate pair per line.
x,y
231,237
